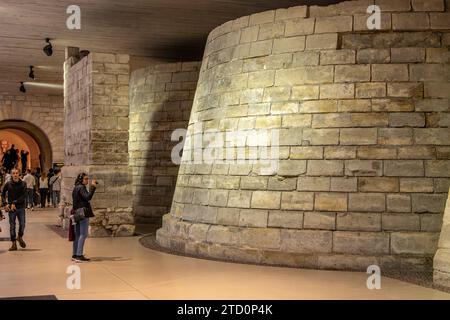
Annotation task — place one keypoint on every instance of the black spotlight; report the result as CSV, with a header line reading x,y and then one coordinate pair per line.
x,y
48,49
22,88
31,74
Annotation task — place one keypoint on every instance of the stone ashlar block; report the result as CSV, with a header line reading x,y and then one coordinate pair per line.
x,y
334,24
285,219
253,218
370,90
266,199
325,168
322,41
389,72
265,238
306,241
341,152
366,202
437,168
357,136
409,55
352,73
304,75
363,243
378,184
422,243
440,20
404,168
282,184
428,5
321,136
330,202
337,57
352,221
397,136
410,21
432,203
398,203
401,222
432,136
374,56
297,200
416,185
319,220
313,184
377,153
363,168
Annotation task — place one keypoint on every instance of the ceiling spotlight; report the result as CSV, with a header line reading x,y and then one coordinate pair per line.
x,y
48,49
31,74
22,88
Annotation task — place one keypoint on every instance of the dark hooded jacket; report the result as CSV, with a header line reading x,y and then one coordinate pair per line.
x,y
14,193
81,198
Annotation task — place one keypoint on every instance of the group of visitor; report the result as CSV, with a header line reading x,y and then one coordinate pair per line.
x,y
17,195
12,158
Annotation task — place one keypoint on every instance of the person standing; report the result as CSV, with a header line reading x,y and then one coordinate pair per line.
x,y
30,182
49,194
7,161
24,159
43,189
13,200
80,199
55,182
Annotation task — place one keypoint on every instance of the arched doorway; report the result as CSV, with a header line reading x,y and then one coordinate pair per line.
x,y
26,136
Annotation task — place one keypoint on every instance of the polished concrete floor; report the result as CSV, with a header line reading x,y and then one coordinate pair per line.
x,y
123,269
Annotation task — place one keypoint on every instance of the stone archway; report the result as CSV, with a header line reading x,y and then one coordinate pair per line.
x,y
31,134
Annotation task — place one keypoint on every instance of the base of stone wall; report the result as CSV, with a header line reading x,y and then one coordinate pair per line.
x,y
441,279
292,259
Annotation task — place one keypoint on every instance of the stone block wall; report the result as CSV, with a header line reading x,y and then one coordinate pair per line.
x,y
364,142
96,127
161,98
43,111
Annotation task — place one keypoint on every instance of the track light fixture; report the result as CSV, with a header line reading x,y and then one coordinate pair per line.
x,y
22,87
31,74
48,49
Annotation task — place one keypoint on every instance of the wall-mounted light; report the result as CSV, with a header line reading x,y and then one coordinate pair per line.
x,y
48,49
22,87
31,74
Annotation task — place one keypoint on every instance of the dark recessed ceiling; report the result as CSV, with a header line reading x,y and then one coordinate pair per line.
x,y
165,29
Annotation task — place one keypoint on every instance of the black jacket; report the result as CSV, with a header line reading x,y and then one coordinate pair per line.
x,y
16,191
81,198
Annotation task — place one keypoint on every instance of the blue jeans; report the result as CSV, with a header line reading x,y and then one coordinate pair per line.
x,y
30,200
81,233
56,197
20,214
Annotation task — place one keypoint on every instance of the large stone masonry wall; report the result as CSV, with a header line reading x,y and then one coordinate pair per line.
x,y
43,111
362,116
161,98
96,137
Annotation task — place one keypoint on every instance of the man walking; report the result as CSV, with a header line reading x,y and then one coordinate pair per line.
x,y
13,200
31,183
55,183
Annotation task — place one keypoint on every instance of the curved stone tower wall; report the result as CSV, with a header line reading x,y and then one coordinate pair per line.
x,y
362,117
161,98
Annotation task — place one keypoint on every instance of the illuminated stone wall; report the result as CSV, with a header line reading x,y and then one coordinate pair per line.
x,y
362,117
161,98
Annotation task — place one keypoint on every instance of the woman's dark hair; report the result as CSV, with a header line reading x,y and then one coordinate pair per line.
x,y
79,179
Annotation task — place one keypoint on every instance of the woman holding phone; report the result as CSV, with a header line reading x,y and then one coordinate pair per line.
x,y
81,197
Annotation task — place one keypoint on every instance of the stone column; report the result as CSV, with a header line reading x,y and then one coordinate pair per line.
x,y
96,138
441,275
